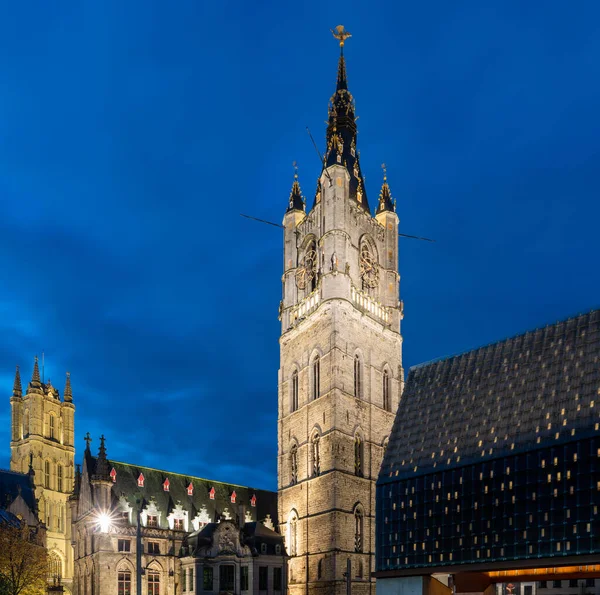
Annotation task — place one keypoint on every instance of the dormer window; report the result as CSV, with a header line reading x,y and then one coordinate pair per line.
x,y
178,524
152,521
263,548
211,494
190,489
113,475
141,480
166,485
253,500
233,497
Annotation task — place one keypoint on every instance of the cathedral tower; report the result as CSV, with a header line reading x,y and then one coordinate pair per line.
x,y
42,434
340,375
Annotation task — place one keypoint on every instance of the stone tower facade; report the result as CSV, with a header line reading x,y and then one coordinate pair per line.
x,y
340,376
42,438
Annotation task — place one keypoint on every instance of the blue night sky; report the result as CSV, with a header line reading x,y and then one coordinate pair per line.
x,y
132,134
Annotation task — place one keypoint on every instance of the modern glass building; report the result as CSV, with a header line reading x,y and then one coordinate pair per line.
x,y
494,458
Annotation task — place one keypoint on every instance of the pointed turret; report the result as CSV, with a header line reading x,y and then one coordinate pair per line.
x,y
296,202
341,129
17,389
68,394
386,203
35,377
102,471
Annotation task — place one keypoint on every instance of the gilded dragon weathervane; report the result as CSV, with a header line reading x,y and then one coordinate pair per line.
x,y
341,34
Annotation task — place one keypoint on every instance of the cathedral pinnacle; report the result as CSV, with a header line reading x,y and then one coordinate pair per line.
x,y
35,378
68,394
386,203
296,202
17,389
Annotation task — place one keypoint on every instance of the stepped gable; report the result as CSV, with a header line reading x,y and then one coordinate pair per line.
x,y
526,392
126,486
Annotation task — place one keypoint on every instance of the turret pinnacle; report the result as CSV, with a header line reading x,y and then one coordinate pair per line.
x,y
102,471
296,202
35,378
17,389
386,203
68,394
341,128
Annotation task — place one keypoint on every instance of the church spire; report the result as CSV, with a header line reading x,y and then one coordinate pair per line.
x,y
68,394
341,128
17,389
386,203
296,202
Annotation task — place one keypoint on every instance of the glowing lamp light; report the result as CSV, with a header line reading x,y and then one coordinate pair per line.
x,y
104,522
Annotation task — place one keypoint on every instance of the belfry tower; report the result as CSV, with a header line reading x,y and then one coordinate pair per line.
x,y
42,442
340,376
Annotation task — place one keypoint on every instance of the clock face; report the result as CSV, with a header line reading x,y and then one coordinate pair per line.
x,y
306,272
369,270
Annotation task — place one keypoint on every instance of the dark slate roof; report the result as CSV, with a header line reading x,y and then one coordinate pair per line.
x,y
10,485
127,485
518,394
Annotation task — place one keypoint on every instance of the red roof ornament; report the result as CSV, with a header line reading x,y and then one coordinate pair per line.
x,y
113,475
233,497
166,485
253,500
141,480
190,489
211,494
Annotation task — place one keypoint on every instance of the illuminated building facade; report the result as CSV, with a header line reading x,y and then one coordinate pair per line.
x,y
340,375
195,535
42,439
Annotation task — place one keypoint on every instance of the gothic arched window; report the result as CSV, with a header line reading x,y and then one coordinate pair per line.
x,y
124,582
320,569
293,535
294,464
52,426
316,459
387,405
358,456
357,377
54,568
59,478
46,474
295,390
26,424
316,372
358,529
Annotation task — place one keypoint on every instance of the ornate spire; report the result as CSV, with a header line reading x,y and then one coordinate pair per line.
x,y
102,471
17,389
296,202
341,128
68,394
35,378
87,439
386,203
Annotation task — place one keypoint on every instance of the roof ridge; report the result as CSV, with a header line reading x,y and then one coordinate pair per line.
x,y
442,358
186,475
